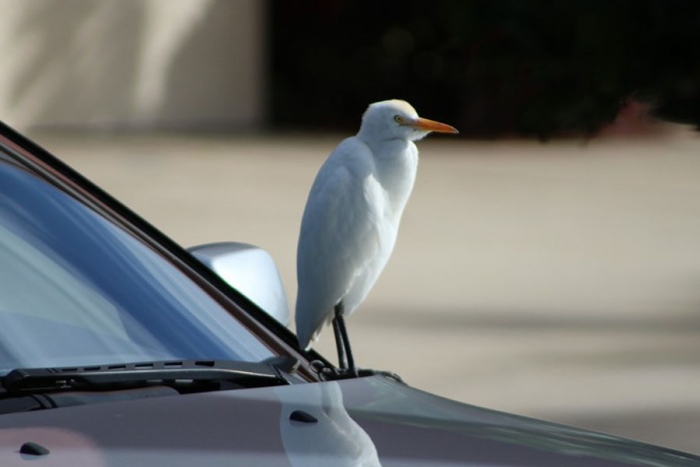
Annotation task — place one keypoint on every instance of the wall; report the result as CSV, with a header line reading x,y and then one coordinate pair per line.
x,y
132,63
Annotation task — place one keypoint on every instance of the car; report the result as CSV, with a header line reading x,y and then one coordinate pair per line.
x,y
120,347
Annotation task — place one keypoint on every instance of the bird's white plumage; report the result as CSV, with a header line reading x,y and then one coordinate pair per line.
x,y
352,214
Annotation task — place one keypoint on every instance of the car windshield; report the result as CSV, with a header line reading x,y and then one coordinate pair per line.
x,y
75,289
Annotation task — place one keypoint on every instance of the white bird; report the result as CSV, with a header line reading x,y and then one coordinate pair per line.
x,y
352,218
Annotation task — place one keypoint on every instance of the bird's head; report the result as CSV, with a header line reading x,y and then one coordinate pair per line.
x,y
397,119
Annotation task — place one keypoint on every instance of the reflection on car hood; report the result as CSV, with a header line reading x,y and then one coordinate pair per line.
x,y
364,422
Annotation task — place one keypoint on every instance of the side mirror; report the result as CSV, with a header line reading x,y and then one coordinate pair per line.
x,y
251,271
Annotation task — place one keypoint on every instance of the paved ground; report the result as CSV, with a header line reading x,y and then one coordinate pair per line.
x,y
559,281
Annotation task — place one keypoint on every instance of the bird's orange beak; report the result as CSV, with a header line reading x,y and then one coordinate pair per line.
x,y
431,125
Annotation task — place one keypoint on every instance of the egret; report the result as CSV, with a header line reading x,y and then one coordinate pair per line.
x,y
352,217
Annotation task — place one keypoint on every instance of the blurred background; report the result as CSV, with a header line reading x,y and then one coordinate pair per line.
x,y
549,259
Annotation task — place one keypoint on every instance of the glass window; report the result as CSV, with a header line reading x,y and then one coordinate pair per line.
x,y
75,289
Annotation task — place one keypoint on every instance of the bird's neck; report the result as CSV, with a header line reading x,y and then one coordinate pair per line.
x,y
396,163
387,150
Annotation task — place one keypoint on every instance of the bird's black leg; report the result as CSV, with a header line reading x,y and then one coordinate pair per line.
x,y
339,344
347,362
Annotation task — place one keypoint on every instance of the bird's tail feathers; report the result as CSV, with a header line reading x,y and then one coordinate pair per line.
x,y
305,340
306,337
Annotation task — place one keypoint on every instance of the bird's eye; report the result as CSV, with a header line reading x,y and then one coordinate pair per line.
x,y
398,119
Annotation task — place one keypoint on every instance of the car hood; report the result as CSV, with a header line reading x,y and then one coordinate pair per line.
x,y
363,422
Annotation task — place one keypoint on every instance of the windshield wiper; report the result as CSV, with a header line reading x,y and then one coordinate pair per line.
x,y
166,373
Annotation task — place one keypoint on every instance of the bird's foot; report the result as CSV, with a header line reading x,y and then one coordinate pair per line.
x,y
330,373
